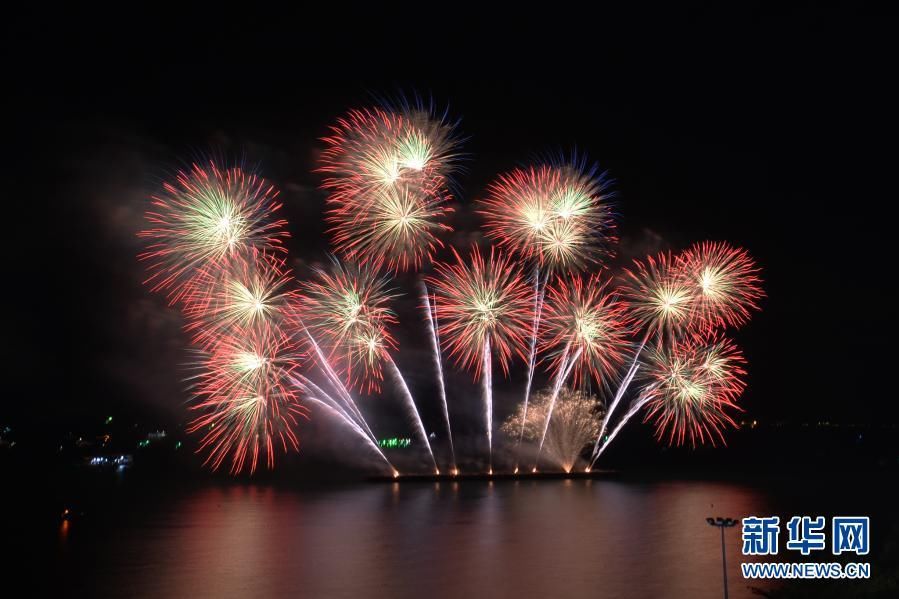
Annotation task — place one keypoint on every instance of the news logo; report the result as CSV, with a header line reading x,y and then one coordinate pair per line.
x,y
806,535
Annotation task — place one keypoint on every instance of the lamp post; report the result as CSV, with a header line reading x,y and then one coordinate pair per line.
x,y
722,523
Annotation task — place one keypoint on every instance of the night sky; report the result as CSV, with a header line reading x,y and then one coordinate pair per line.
x,y
770,130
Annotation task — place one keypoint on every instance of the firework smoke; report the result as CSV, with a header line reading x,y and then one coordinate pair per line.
x,y
573,426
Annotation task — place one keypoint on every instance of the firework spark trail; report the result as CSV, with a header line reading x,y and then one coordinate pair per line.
x,y
350,403
305,384
349,416
622,389
488,402
336,382
618,395
407,395
557,384
354,427
435,341
641,401
532,357
567,365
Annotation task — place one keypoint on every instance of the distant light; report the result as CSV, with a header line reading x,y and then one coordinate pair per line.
x,y
395,442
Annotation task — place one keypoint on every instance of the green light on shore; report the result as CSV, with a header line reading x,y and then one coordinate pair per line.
x,y
395,443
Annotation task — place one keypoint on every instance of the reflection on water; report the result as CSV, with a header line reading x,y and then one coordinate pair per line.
x,y
583,538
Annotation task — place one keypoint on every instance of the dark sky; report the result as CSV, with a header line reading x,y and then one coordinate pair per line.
x,y
768,129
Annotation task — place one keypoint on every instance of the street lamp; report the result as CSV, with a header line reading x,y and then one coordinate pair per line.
x,y
722,523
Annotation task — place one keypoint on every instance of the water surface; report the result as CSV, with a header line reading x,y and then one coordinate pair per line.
x,y
548,538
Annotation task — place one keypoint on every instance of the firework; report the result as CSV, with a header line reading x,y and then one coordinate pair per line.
x,y
539,293
214,246
374,149
691,385
582,318
726,282
246,397
556,215
482,309
208,216
484,301
574,424
346,310
241,295
438,365
414,414
659,296
397,228
387,175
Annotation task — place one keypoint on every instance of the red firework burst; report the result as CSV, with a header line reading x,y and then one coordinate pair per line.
x,y
725,280
658,294
557,215
387,174
208,217
582,319
396,229
691,385
246,396
243,294
346,311
478,302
